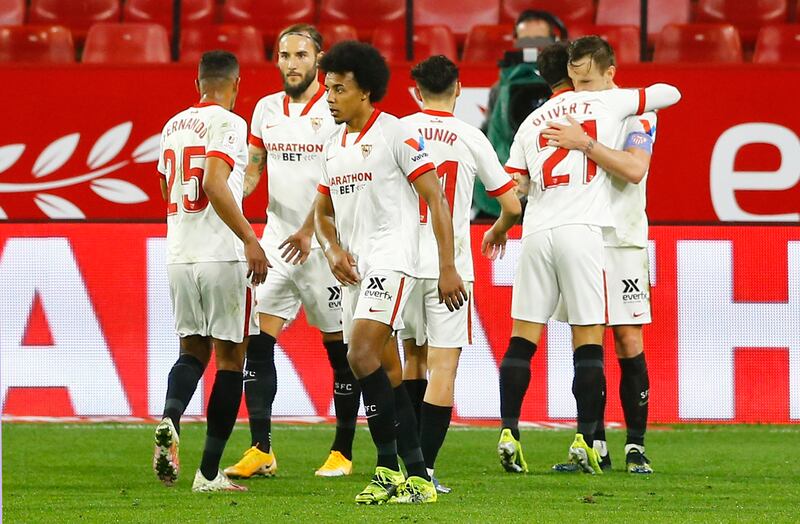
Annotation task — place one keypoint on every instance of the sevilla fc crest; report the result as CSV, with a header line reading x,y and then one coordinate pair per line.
x,y
366,149
316,123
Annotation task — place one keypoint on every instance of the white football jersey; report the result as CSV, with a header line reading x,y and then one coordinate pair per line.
x,y
368,176
628,201
461,152
566,187
293,135
195,233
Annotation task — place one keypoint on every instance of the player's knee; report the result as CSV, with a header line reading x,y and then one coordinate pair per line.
x,y
628,341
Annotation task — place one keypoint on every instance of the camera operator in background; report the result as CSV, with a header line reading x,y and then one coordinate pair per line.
x,y
518,91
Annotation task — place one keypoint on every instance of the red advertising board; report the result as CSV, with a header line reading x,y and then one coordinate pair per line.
x,y
86,329
80,142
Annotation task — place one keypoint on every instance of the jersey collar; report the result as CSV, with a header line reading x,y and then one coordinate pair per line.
x,y
434,112
372,118
309,104
206,104
561,92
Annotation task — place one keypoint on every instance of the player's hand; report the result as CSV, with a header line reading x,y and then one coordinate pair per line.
x,y
451,288
343,265
570,136
257,263
521,184
494,244
296,247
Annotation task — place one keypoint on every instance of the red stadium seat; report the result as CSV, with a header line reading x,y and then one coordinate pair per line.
x,y
364,16
126,44
77,15
487,43
458,15
269,16
244,41
193,12
698,43
623,38
569,11
12,12
334,33
429,40
659,13
778,44
36,44
748,17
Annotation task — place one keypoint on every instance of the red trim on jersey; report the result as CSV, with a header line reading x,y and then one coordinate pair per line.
x,y
421,170
397,303
253,140
561,92
646,125
325,190
605,295
286,105
219,154
512,170
434,112
206,104
642,101
310,104
344,136
372,118
413,143
469,318
508,186
248,306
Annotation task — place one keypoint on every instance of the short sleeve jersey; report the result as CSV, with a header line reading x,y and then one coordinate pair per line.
x,y
628,200
368,176
293,136
566,187
195,233
461,152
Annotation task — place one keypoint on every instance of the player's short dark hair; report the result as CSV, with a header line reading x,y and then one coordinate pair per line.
x,y
534,14
364,61
552,63
597,49
436,75
303,29
218,64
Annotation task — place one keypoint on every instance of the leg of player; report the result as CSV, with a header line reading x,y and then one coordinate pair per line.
x,y
437,409
260,387
181,385
634,394
415,373
588,385
515,375
346,399
223,406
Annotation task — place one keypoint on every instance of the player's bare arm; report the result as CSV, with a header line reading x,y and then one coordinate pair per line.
x,y
630,165
297,246
215,185
342,263
494,240
164,194
255,166
451,287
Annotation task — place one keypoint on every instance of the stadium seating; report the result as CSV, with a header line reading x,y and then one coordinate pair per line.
x,y
748,17
36,44
429,40
698,43
778,44
126,44
269,16
77,15
364,16
12,12
623,38
244,41
193,12
659,14
458,15
569,11
335,33
487,43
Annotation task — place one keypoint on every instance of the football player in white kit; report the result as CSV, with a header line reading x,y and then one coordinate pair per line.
x,y
434,336
367,219
592,68
288,131
562,247
213,260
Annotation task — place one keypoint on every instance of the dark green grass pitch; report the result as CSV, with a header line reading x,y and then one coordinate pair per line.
x,y
101,473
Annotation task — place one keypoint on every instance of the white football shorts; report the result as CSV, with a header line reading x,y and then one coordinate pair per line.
x,y
428,320
381,296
